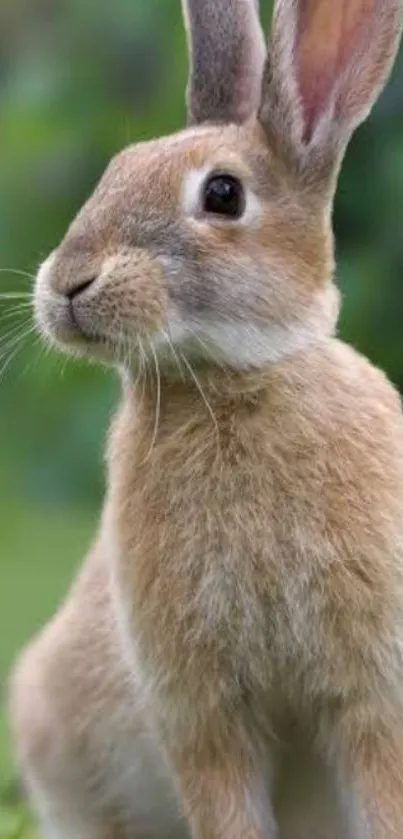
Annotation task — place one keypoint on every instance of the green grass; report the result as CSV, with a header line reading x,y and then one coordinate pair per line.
x,y
40,548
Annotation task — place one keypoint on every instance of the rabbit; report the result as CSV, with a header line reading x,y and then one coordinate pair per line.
x,y
229,664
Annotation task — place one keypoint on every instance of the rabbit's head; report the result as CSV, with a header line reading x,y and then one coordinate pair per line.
x,y
216,242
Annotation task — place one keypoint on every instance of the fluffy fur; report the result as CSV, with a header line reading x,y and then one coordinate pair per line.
x,y
224,84
229,664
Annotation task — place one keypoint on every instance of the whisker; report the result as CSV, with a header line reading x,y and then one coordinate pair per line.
x,y
15,338
46,350
168,338
158,399
16,295
208,350
30,295
16,326
41,352
13,348
63,366
203,396
143,369
129,351
139,375
15,305
19,272
124,343
9,359
13,313
8,339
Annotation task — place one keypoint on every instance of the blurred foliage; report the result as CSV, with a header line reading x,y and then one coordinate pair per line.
x,y
80,79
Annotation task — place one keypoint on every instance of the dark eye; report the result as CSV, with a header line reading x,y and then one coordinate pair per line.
x,y
224,196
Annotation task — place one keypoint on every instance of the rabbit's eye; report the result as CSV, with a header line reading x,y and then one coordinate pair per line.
x,y
223,195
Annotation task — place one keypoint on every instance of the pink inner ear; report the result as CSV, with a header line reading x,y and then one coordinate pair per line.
x,y
328,34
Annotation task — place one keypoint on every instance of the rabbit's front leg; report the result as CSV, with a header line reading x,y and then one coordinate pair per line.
x,y
224,799
372,783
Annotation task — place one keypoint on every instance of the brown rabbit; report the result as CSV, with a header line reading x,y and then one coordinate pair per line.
x,y
229,664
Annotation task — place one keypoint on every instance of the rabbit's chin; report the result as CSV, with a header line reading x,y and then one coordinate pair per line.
x,y
211,343
242,344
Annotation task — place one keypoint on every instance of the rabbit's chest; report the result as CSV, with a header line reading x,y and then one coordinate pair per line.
x,y
239,582
220,598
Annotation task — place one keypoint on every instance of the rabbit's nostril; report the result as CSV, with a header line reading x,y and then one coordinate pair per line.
x,y
78,289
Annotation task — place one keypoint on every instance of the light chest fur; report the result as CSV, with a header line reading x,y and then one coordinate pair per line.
x,y
262,566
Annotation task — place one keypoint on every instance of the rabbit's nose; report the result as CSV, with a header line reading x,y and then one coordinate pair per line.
x,y
74,292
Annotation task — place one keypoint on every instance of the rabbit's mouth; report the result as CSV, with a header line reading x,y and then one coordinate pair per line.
x,y
71,329
102,315
56,315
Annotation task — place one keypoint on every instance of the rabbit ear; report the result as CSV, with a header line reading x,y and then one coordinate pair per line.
x,y
227,53
327,64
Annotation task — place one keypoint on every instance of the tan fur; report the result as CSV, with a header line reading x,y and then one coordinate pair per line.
x,y
229,664
83,731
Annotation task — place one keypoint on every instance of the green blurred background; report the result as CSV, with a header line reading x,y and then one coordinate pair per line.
x,y
79,79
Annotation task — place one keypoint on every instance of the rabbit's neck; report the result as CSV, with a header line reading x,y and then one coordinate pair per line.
x,y
193,481
174,433
205,401
161,419
199,426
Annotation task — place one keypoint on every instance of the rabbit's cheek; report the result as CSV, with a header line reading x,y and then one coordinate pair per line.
x,y
132,288
212,330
